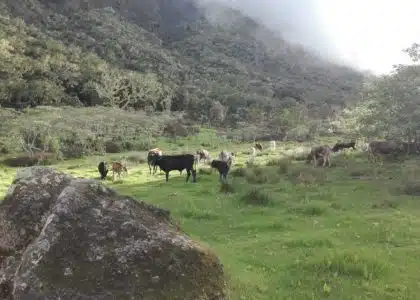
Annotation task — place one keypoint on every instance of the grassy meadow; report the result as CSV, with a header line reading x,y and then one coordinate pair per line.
x,y
285,230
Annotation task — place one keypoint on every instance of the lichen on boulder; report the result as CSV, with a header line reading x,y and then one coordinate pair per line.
x,y
70,238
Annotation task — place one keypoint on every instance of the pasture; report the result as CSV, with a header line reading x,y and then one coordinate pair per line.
x,y
285,230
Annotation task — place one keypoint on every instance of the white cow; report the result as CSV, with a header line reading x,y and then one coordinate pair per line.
x,y
227,157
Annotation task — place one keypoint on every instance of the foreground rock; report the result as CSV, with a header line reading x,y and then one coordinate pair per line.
x,y
67,238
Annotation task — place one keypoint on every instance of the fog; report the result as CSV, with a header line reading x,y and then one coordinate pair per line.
x,y
368,35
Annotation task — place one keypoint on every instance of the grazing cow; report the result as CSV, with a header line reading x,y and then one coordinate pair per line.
x,y
178,162
318,152
118,168
227,157
103,169
222,167
273,145
380,148
258,146
203,155
155,152
340,146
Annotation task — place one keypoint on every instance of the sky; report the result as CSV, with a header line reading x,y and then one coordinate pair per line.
x,y
368,35
371,34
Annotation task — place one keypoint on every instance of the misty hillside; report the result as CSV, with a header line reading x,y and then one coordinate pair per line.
x,y
160,55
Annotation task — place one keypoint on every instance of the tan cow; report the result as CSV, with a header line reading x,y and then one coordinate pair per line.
x,y
118,168
203,155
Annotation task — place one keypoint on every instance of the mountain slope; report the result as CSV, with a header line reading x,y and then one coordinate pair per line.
x,y
161,55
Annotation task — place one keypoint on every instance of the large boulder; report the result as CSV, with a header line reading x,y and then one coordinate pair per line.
x,y
71,238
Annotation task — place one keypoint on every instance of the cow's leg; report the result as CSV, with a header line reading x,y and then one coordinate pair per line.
x,y
188,174
194,175
150,169
370,156
167,175
315,160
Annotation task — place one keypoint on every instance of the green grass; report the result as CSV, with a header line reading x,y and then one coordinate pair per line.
x,y
284,230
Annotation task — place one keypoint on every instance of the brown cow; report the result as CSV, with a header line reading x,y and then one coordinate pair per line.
x,y
318,152
381,148
118,168
155,152
258,146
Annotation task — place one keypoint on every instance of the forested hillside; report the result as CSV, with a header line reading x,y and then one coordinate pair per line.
x,y
212,62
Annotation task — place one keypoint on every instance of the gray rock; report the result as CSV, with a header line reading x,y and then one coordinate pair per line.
x,y
68,238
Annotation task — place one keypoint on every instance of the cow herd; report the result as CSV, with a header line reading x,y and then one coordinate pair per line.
x,y
376,150
318,154
179,162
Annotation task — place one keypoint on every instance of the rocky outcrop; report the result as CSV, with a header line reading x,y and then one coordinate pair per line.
x,y
70,238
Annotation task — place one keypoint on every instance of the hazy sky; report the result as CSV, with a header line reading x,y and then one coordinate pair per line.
x,y
371,33
367,34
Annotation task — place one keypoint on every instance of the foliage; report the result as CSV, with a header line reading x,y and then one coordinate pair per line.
x,y
144,55
73,132
390,108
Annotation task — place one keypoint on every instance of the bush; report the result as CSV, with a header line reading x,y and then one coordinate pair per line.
x,y
75,132
307,175
256,197
112,147
411,188
282,163
256,175
29,161
226,187
137,158
239,172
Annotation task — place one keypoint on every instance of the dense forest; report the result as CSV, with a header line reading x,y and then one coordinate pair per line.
x,y
160,55
164,61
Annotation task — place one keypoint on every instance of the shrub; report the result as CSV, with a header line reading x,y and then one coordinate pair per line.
x,y
112,147
239,172
411,187
282,163
226,187
29,161
256,197
137,158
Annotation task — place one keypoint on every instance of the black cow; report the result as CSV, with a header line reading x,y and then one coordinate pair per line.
x,y
222,167
103,169
178,162
341,146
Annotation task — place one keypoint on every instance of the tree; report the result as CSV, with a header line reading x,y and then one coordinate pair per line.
x,y
391,107
217,113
